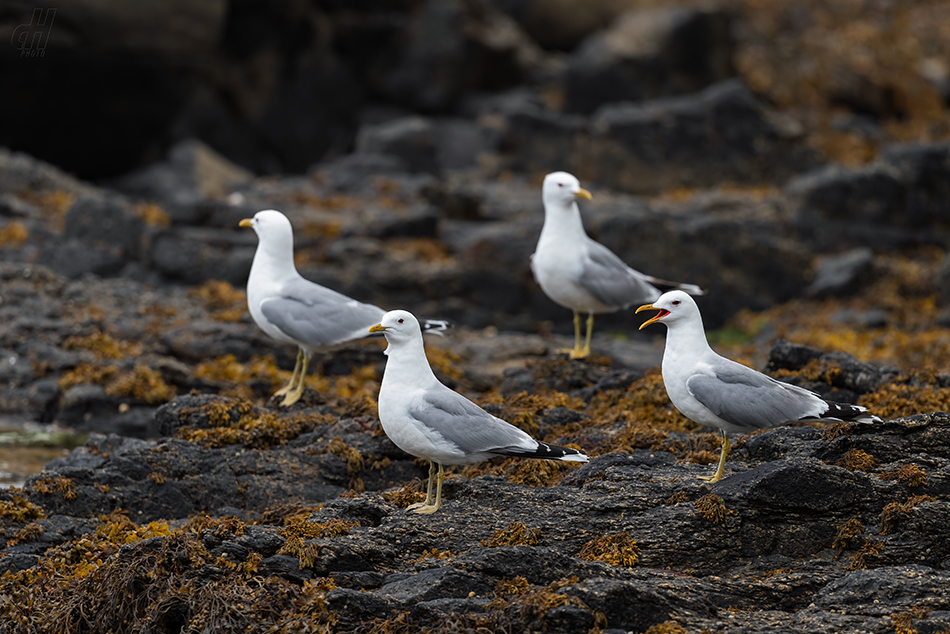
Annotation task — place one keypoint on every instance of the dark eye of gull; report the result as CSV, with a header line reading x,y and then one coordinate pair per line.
x,y
400,321
676,302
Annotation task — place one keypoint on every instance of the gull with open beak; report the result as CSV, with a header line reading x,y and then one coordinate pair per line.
x,y
712,390
582,274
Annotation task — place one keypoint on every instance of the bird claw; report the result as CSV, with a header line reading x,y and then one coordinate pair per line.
x,y
427,509
418,505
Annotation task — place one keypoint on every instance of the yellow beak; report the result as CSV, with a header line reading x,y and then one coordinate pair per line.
x,y
660,315
583,193
245,223
377,328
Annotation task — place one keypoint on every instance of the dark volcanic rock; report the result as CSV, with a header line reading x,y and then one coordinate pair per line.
x,y
721,133
771,542
649,54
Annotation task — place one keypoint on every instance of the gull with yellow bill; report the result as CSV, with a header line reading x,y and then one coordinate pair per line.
x,y
718,392
582,274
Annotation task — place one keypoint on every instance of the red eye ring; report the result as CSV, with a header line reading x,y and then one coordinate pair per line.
x,y
399,321
676,302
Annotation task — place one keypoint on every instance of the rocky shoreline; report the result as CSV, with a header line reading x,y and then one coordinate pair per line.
x,y
242,518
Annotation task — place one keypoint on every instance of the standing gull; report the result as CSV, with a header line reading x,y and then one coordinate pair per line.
x,y
715,391
294,310
579,273
426,419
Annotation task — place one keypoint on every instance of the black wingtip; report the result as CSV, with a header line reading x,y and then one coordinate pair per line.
x,y
545,451
848,412
436,326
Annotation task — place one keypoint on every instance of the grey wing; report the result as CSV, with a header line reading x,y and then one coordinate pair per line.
x,y
611,281
317,316
465,424
746,398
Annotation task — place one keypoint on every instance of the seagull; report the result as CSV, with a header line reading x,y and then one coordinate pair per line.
x,y
718,392
292,309
582,274
428,420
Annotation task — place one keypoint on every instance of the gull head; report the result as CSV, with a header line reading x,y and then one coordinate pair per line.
x,y
674,307
398,326
562,189
269,222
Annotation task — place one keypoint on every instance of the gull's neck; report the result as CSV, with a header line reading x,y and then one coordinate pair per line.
x,y
407,366
274,258
562,222
686,338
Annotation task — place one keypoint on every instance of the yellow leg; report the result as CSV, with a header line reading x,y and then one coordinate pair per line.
x,y
579,352
294,395
293,379
428,501
722,462
438,495
576,350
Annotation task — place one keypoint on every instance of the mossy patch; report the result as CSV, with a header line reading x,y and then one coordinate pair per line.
x,y
19,509
517,534
909,475
857,460
152,214
298,531
142,384
617,549
862,559
60,484
896,400
711,508
223,301
13,235
405,496
352,458
103,346
667,627
895,511
435,553
845,534
233,422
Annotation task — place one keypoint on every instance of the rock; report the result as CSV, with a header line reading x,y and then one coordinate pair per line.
x,y
924,170
453,47
88,408
533,138
720,133
197,254
101,236
435,583
785,355
942,281
841,275
836,206
127,72
11,205
562,25
648,54
412,140
192,173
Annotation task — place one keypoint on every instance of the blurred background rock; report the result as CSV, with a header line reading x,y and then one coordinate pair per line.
x,y
768,151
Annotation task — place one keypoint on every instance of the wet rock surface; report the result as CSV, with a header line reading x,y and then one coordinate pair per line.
x,y
813,528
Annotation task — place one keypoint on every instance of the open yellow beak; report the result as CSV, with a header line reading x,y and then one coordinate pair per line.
x,y
377,328
660,315
245,223
583,193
